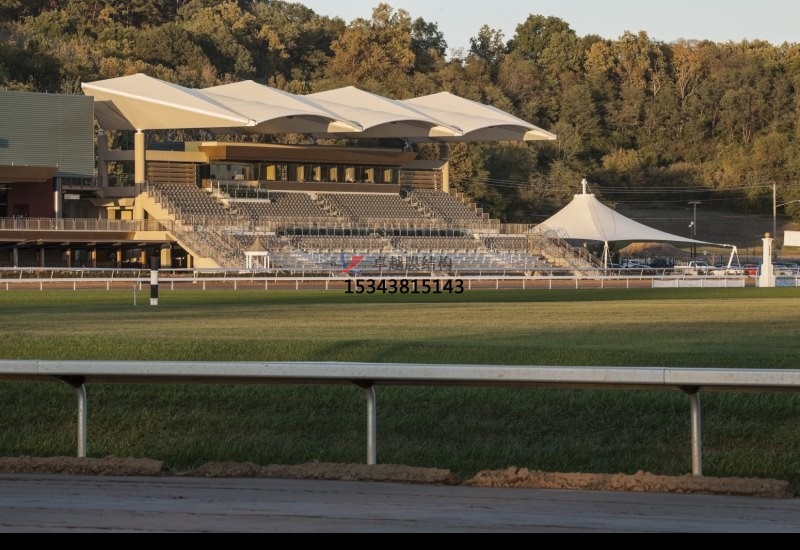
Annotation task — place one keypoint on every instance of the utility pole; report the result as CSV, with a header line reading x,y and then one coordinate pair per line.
x,y
774,211
694,227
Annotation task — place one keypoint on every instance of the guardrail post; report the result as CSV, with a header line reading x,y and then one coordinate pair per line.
x,y
372,422
82,423
80,388
696,421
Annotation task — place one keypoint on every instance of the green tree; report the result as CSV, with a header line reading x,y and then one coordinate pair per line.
x,y
293,44
527,90
550,44
145,13
488,48
375,54
547,54
170,45
225,33
28,61
428,45
580,128
469,175
510,167
10,10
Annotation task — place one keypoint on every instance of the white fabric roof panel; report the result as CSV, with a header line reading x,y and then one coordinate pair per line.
x,y
151,104
380,116
586,218
477,121
276,111
140,102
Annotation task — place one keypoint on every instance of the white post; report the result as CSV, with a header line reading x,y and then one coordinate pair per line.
x,y
767,277
154,266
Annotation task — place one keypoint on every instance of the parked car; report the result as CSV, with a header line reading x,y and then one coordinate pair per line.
x,y
695,267
786,269
659,263
751,270
640,269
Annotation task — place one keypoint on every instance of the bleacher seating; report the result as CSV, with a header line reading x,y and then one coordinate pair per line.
x,y
188,201
439,243
281,206
346,223
445,206
338,243
507,242
372,207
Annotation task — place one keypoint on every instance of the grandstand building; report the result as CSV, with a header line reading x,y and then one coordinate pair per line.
x,y
245,205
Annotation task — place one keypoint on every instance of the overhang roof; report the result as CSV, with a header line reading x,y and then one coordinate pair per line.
x,y
275,111
476,121
140,102
380,116
26,174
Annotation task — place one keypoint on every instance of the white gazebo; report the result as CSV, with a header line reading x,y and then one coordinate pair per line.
x,y
257,256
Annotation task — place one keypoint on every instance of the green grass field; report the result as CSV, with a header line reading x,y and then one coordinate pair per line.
x,y
462,429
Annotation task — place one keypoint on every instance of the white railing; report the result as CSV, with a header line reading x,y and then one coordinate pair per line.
x,y
82,224
368,376
311,278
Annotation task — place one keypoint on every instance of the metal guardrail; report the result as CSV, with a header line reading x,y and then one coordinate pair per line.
x,y
369,375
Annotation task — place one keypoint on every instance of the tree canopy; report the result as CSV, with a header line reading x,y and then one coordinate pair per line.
x,y
631,113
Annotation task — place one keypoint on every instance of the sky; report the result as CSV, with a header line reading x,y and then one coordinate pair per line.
x,y
775,21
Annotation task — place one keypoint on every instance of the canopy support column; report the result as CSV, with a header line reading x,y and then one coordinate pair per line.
x,y
139,160
139,156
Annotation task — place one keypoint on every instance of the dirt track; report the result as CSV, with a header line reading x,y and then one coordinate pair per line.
x,y
509,478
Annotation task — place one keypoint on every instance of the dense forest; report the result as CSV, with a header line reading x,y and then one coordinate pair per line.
x,y
645,122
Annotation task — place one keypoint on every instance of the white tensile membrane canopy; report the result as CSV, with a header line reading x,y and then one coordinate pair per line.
x,y
587,219
276,111
476,121
381,117
140,102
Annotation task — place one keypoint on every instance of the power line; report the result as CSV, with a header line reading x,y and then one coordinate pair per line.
x,y
617,190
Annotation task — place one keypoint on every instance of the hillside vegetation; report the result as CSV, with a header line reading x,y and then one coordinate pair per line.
x,y
646,122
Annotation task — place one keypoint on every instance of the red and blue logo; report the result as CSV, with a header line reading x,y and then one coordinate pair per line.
x,y
350,267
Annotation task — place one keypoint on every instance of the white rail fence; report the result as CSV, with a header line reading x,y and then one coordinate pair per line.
x,y
173,279
368,376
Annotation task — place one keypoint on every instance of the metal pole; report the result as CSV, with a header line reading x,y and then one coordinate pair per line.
x,y
694,227
774,212
82,414
697,442
372,423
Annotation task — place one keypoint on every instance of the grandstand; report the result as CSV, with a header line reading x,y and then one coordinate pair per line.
x,y
309,231
309,207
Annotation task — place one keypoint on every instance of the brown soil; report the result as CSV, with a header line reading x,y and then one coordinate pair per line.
x,y
509,478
